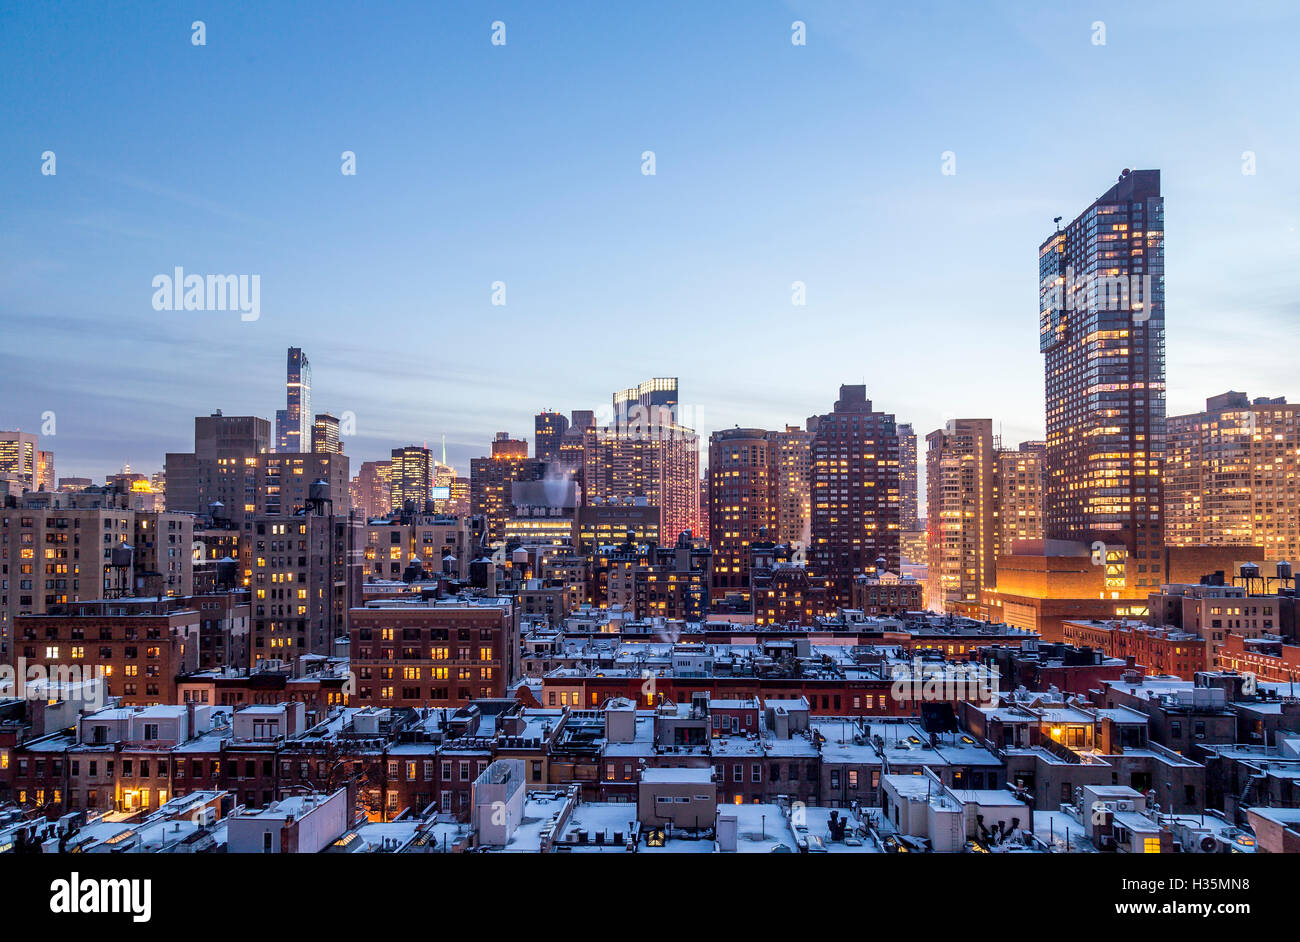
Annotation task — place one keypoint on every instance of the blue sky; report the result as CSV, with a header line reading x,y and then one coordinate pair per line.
x,y
522,164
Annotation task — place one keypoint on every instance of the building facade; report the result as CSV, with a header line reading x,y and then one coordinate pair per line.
x,y
1102,335
855,492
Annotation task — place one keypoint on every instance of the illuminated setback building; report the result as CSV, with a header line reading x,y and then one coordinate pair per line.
x,y
960,515
657,397
293,424
410,477
1020,485
855,499
793,460
658,462
908,495
444,476
743,501
606,522
285,483
45,470
1101,331
224,449
19,457
569,449
325,434
492,480
460,497
371,490
549,429
1232,476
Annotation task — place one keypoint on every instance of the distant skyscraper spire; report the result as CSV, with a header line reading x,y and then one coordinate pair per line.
x,y
293,424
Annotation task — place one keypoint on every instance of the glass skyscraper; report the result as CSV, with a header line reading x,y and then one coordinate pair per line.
x,y
1102,333
293,425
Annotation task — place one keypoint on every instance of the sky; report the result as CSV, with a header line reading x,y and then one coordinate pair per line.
x,y
523,164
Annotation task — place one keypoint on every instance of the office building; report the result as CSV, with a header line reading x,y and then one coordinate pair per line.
x,y
492,479
855,492
410,477
20,459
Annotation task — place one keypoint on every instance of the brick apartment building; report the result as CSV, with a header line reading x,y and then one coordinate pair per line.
x,y
432,654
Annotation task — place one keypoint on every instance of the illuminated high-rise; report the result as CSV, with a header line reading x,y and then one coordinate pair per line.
x,y
293,424
660,463
325,434
743,502
855,501
960,513
492,481
371,489
1019,495
1232,476
19,457
549,429
1102,334
908,495
793,460
410,477
644,451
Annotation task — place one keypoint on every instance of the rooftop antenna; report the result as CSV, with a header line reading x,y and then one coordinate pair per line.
x,y
1057,220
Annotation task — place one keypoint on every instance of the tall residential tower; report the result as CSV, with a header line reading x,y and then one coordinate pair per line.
x,y
293,424
1102,333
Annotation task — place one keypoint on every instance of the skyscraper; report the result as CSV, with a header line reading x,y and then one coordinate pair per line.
x,y
549,429
325,434
217,470
742,502
293,424
644,452
656,400
855,500
1101,331
908,497
660,463
492,478
1231,476
371,490
410,477
793,459
19,457
1019,495
960,514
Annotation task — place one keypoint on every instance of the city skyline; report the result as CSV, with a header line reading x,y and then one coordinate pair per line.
x,y
385,285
